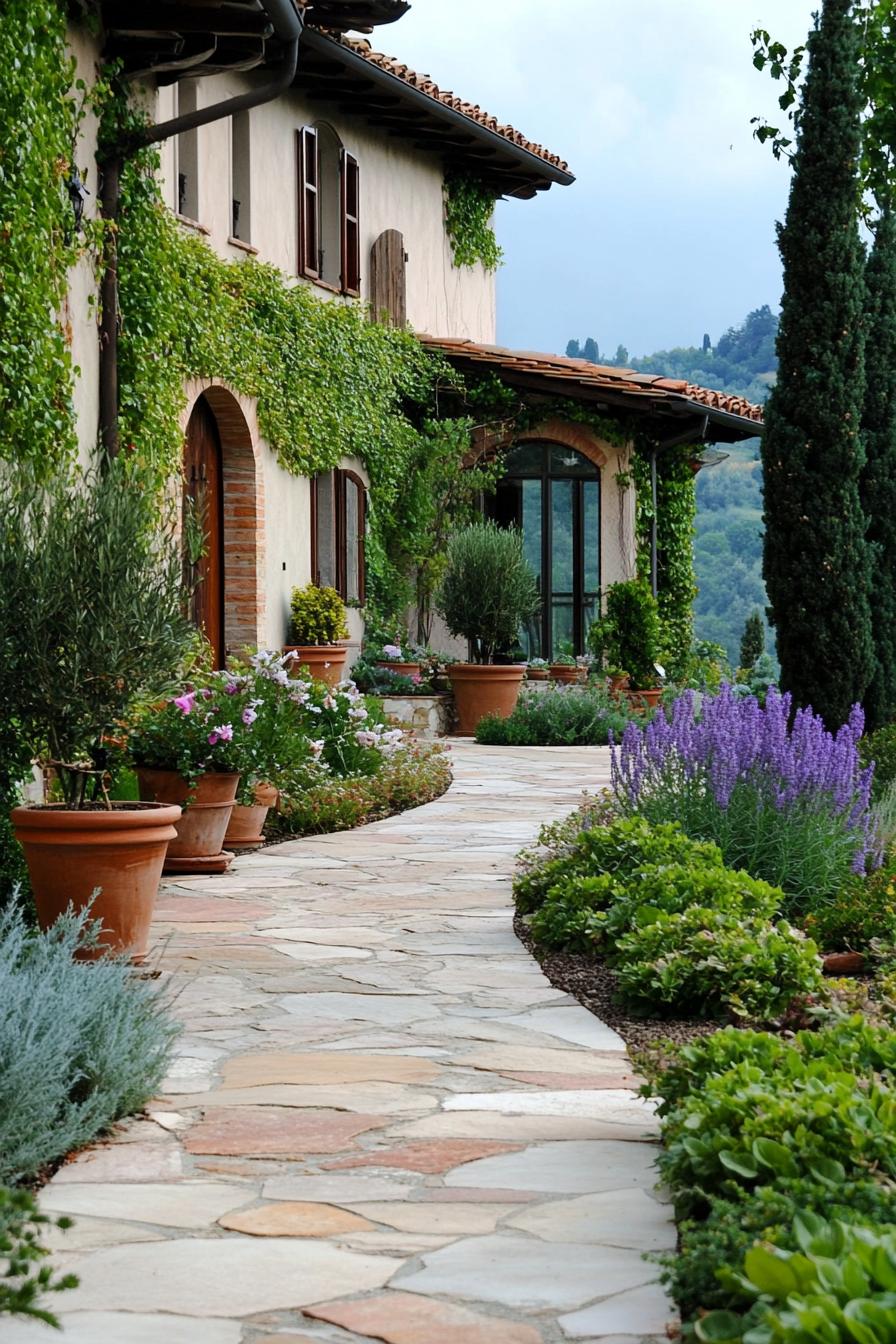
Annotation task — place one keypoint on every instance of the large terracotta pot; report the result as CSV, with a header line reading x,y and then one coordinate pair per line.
x,y
843,963
617,684
403,669
207,806
536,674
325,662
648,699
72,853
483,688
245,830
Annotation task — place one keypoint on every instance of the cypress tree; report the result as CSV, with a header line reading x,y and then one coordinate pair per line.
x,y
879,479
752,641
816,559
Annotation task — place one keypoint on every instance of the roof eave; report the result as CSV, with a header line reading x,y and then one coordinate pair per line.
x,y
544,173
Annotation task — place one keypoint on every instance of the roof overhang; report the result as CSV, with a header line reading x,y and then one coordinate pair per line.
x,y
665,408
335,71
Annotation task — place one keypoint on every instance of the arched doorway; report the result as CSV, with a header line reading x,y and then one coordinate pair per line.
x,y
203,504
551,493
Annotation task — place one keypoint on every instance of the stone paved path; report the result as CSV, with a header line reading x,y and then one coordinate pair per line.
x,y
383,1123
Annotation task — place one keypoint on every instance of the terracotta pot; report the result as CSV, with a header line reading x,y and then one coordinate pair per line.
x,y
403,669
72,853
617,684
483,688
245,830
207,808
648,699
563,672
536,674
843,963
325,662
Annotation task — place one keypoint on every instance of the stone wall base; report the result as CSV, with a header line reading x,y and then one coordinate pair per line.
x,y
427,716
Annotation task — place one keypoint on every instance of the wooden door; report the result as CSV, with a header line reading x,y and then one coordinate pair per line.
x,y
388,279
204,501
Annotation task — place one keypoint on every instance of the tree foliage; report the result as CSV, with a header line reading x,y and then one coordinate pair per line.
x,y
879,478
816,560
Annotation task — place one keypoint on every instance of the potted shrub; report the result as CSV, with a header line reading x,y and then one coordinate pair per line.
x,y
92,616
537,669
628,636
488,591
565,668
318,629
394,659
191,750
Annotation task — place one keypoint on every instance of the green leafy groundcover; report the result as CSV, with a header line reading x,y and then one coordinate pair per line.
x,y
573,716
25,1277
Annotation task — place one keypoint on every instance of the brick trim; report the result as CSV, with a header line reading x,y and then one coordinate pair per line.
x,y
244,514
570,434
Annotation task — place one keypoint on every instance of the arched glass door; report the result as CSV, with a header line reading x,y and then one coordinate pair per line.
x,y
552,494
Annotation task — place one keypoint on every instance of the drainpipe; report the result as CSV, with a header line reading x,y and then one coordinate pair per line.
x,y
689,436
288,25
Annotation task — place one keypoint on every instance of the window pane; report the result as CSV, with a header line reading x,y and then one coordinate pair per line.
x,y
527,459
532,524
567,462
326,541
591,538
352,541
562,565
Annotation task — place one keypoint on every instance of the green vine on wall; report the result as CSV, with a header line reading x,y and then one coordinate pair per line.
x,y
676,515
469,211
39,119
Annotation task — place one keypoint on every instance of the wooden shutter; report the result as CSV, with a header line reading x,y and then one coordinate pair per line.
x,y
351,233
388,279
309,202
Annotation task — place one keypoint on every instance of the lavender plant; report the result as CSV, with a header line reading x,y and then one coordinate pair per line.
x,y
780,795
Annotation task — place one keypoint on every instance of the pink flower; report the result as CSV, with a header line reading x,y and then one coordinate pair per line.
x,y
223,733
393,652
186,702
231,688
249,715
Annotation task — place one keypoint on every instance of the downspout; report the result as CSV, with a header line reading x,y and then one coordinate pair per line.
x,y
288,25
689,436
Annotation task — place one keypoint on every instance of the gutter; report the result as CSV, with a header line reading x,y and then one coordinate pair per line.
x,y
532,163
288,26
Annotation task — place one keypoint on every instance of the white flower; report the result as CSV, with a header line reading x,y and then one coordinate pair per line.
x,y
316,748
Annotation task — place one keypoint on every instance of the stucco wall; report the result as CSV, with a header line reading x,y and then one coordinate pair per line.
x,y
80,315
401,188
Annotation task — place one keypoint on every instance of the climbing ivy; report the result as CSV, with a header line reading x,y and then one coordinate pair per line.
x,y
676,515
39,116
469,208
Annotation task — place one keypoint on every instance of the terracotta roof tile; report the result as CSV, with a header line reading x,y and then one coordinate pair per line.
x,y
424,84
633,385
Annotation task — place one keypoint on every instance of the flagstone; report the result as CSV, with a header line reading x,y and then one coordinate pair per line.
x,y
316,952
313,1067
617,1105
341,1190
184,1204
573,1024
518,1128
341,935
450,1219
399,1318
267,1131
159,1161
563,1168
639,1311
289,1218
386,1009
126,1327
223,1276
431,1158
89,1233
374,1098
530,1275
624,1218
572,1082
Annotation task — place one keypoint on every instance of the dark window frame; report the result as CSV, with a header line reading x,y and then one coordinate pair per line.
x,y
309,188
337,528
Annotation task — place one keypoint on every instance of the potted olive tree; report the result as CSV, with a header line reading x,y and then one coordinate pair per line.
x,y
628,636
318,631
487,593
92,616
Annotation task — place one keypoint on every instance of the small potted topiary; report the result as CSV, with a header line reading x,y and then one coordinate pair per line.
x,y
395,658
318,631
564,668
628,636
488,592
537,669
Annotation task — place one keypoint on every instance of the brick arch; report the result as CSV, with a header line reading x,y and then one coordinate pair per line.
x,y
244,522
570,434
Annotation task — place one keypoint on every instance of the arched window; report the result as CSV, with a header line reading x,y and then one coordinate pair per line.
x,y
329,205
338,526
552,493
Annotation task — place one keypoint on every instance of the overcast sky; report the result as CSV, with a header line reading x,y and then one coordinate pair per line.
x,y
669,230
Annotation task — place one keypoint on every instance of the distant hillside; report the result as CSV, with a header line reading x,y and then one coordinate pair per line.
x,y
728,546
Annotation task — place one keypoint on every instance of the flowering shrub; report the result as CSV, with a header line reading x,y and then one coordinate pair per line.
x,y
789,803
412,774
374,680
204,729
